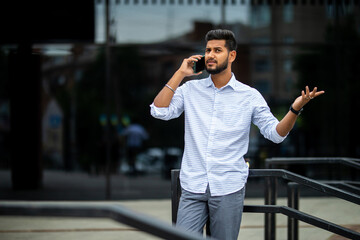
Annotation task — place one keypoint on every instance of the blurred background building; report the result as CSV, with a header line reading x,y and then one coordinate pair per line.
x,y
59,110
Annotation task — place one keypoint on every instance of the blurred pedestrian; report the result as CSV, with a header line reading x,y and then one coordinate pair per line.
x,y
135,136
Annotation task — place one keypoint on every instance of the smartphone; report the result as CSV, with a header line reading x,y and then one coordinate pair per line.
x,y
199,65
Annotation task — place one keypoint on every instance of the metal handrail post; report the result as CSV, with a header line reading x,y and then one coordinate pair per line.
x,y
175,194
293,202
270,199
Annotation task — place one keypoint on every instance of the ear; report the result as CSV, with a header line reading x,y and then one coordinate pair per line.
x,y
232,56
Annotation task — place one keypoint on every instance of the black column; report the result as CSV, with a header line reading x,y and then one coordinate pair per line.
x,y
25,118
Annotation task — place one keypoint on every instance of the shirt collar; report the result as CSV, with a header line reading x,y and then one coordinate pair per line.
x,y
233,83
209,82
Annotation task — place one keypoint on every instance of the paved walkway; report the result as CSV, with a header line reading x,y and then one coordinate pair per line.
x,y
56,228
149,195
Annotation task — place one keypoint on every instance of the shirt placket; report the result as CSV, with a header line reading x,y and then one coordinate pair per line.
x,y
211,139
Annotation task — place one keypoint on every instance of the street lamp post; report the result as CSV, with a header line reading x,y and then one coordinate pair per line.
x,y
108,99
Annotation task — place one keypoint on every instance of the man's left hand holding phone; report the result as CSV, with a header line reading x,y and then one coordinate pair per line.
x,y
193,65
186,69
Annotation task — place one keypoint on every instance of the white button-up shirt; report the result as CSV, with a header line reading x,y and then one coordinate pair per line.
x,y
217,127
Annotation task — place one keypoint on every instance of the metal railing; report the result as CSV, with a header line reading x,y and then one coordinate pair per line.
x,y
351,162
351,187
271,176
115,212
270,208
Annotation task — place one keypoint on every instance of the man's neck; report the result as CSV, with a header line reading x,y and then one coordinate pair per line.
x,y
221,79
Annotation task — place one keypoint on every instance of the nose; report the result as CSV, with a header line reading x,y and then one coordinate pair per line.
x,y
210,54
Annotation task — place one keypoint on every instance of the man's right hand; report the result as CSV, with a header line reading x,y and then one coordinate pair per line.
x,y
186,68
164,97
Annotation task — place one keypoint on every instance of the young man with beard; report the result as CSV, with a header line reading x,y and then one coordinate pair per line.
x,y
219,111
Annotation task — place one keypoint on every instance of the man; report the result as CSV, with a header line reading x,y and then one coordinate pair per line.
x,y
219,111
135,136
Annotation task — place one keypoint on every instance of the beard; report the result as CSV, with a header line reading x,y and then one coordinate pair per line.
x,y
218,69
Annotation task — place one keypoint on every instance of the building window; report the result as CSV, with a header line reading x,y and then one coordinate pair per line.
x,y
260,16
287,65
262,65
289,83
263,86
288,13
288,40
261,40
262,51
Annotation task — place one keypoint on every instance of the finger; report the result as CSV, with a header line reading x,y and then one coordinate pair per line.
x,y
196,57
303,94
192,59
314,90
190,62
312,93
319,93
307,91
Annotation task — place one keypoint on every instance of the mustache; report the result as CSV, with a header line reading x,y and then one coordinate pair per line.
x,y
211,60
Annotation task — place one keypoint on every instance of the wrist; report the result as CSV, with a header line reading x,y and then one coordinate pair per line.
x,y
181,74
295,110
296,106
176,79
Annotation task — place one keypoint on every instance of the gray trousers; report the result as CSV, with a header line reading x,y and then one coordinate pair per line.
x,y
224,213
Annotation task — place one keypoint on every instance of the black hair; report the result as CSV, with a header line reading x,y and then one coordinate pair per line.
x,y
223,34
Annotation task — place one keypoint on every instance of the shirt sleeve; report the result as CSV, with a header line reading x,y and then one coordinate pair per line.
x,y
265,120
175,108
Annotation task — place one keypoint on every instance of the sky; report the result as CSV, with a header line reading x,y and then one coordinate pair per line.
x,y
155,23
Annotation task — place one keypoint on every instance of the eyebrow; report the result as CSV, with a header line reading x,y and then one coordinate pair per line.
x,y
214,48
